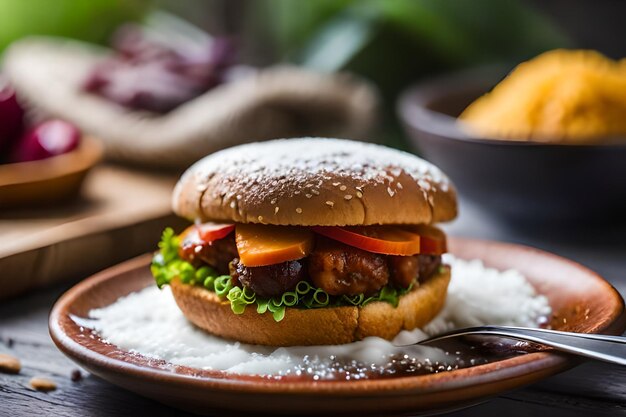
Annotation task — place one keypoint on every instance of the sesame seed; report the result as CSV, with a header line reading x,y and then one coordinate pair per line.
x,y
276,209
316,192
359,188
273,201
309,195
233,204
330,203
399,185
359,194
336,184
424,184
298,210
239,197
390,192
260,218
296,192
347,197
343,188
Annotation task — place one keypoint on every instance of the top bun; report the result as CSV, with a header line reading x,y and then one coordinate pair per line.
x,y
314,181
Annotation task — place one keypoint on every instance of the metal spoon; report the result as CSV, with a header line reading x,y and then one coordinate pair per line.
x,y
605,348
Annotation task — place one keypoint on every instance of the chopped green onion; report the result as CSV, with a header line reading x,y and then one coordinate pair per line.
x,y
273,305
279,314
223,284
303,287
321,297
290,298
248,295
238,308
354,300
234,293
261,305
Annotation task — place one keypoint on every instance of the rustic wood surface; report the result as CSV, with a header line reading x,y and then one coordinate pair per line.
x,y
591,389
48,244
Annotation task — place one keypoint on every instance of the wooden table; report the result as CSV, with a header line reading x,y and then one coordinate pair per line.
x,y
591,389
119,214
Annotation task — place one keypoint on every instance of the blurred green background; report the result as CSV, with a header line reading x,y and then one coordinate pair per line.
x,y
92,20
392,43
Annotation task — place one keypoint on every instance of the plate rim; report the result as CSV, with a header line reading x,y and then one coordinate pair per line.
x,y
544,363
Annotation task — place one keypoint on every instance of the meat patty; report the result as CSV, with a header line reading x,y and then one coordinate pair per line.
x,y
341,269
428,265
404,269
270,280
217,253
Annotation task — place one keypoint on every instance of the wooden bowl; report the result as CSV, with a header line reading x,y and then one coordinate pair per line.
x,y
582,302
519,181
48,180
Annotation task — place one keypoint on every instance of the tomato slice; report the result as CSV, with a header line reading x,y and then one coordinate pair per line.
x,y
433,240
213,231
198,236
388,240
260,245
189,241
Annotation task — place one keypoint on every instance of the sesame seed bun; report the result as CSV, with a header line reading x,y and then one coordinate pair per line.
x,y
315,181
321,326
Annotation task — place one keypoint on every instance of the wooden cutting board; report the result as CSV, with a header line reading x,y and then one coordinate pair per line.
x,y
119,214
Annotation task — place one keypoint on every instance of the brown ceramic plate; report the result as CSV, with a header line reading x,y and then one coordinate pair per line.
x,y
48,180
582,302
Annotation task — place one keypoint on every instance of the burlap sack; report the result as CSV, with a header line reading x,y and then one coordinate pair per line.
x,y
273,103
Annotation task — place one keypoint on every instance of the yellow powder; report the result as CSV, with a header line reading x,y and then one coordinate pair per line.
x,y
560,96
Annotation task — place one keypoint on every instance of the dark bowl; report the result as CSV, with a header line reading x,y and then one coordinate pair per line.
x,y
524,182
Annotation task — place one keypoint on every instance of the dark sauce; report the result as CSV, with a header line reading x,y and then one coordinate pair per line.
x,y
458,354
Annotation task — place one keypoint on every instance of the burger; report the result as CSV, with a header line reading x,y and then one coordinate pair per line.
x,y
308,242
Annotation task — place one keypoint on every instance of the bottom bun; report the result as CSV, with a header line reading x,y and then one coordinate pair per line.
x,y
319,326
